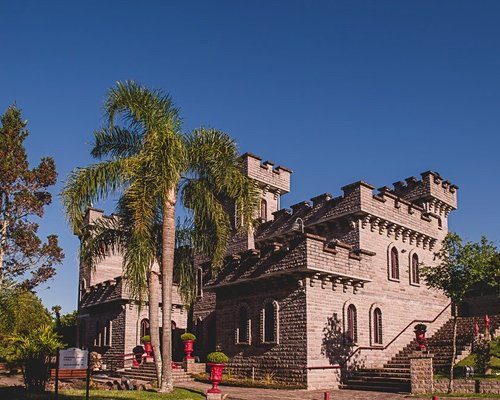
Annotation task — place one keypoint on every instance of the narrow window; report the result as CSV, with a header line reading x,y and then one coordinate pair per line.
x,y
269,323
199,282
145,331
83,285
352,328
243,326
82,335
394,264
107,333
97,337
263,210
415,273
377,326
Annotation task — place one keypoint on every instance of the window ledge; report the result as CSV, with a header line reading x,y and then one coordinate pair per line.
x,y
394,280
415,284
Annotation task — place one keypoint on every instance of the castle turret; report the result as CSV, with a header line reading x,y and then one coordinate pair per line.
x,y
273,182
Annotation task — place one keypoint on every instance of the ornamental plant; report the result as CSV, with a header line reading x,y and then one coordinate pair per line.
x,y
188,336
146,339
421,327
217,357
33,351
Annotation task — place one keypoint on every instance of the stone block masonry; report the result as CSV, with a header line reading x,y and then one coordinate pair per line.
x,y
421,372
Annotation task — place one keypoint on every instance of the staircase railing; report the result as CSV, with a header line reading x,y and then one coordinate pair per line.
x,y
119,361
381,348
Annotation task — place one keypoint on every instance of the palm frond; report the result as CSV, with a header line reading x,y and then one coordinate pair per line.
x,y
116,143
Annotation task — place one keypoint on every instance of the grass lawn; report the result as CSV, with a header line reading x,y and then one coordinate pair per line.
x,y
461,395
494,363
16,393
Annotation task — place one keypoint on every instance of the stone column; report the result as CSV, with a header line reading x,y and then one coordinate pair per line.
x,y
422,380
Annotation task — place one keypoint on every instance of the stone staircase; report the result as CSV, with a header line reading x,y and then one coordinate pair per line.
x,y
147,372
394,376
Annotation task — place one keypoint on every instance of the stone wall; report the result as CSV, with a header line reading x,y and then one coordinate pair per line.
x,y
468,386
284,360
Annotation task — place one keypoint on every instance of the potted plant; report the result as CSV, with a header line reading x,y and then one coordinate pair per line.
x,y
420,330
146,341
188,339
216,361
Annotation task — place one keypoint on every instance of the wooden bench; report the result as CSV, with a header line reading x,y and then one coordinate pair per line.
x,y
69,373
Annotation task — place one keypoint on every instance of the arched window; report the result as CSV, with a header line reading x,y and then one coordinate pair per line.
x,y
377,326
415,273
199,282
269,333
394,271
243,330
352,324
263,210
145,331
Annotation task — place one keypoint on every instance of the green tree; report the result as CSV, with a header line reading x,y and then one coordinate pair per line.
x,y
20,312
23,194
154,165
461,265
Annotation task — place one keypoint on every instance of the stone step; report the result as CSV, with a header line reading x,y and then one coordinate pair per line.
x,y
377,388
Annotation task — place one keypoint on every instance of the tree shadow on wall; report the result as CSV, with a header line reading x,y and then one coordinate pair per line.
x,y
338,348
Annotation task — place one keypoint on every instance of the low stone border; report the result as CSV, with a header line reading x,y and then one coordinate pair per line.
x,y
468,386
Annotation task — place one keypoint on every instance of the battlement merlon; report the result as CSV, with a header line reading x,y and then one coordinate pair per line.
x,y
431,192
92,215
274,179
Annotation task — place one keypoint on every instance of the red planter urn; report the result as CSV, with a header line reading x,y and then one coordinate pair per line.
x,y
188,349
148,348
215,376
420,337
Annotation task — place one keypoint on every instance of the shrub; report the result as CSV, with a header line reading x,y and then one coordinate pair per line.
x,y
145,339
188,336
421,327
34,350
217,357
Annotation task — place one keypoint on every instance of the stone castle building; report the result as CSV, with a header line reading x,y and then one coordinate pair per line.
x,y
328,285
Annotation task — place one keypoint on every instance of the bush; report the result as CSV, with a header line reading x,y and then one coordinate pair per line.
x,y
421,327
188,336
145,339
217,357
34,350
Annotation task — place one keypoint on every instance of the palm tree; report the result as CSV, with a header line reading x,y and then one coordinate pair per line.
x,y
154,164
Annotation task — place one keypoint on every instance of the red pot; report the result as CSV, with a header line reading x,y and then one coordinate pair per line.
x,y
420,337
148,348
188,348
215,377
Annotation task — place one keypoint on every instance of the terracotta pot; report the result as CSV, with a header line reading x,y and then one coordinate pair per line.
x,y
188,348
215,376
420,337
148,348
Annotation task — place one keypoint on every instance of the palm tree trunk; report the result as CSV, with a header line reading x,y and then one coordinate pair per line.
x,y
167,271
454,353
154,320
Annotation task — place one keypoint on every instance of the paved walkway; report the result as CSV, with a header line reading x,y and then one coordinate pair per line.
x,y
239,393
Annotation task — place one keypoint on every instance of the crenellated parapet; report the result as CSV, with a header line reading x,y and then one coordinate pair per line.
x,y
432,192
415,212
269,177
308,258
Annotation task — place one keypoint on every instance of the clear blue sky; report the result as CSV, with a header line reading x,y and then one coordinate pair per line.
x,y
338,91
